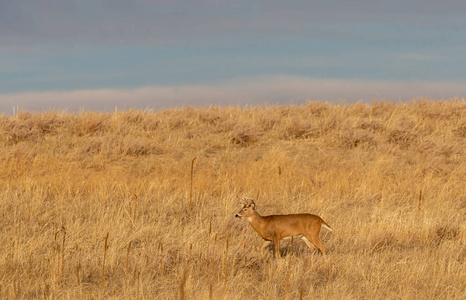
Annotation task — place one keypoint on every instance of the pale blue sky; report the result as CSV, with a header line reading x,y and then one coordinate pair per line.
x,y
155,54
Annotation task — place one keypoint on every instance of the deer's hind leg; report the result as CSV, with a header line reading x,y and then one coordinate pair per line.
x,y
314,239
310,245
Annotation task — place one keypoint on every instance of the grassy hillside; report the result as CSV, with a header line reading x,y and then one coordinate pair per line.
x,y
103,205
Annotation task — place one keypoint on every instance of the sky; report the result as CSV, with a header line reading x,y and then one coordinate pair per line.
x,y
100,55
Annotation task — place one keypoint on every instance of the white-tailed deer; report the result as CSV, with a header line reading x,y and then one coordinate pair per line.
x,y
278,227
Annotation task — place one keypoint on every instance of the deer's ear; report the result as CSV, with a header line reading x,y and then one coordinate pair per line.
x,y
253,205
242,205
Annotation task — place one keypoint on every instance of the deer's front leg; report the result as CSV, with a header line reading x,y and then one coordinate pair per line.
x,y
276,246
264,244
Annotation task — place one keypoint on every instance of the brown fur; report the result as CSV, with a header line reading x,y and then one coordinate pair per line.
x,y
274,228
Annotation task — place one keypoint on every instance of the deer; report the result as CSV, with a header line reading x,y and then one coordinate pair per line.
x,y
274,228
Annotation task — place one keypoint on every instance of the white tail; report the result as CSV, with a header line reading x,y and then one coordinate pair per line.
x,y
326,226
277,227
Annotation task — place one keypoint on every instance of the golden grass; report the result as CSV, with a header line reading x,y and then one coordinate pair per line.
x,y
106,205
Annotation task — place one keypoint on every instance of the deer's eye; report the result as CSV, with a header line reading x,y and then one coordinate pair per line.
x,y
245,209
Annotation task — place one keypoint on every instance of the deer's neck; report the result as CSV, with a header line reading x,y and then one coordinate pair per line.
x,y
257,222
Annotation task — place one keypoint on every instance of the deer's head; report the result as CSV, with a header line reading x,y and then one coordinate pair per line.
x,y
247,209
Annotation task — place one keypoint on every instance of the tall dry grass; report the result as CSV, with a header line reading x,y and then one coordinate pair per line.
x,y
106,205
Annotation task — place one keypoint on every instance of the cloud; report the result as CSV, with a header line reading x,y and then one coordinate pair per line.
x,y
188,22
252,91
419,57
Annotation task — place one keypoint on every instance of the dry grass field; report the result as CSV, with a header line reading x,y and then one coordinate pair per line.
x,y
141,205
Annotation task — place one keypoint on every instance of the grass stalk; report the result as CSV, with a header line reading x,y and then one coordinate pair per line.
x,y
128,249
288,273
138,286
419,201
225,270
191,184
161,267
102,277
63,257
182,284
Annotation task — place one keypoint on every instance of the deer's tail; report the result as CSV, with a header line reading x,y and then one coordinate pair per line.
x,y
325,225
